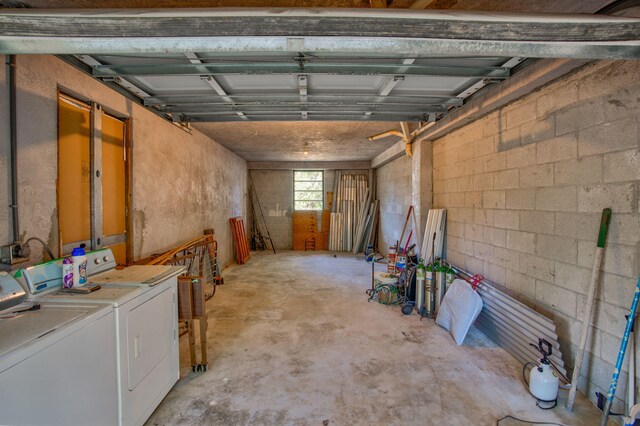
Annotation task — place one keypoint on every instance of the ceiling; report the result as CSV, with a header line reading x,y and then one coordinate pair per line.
x,y
295,141
294,105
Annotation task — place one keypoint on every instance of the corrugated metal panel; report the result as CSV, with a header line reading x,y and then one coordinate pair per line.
x,y
513,325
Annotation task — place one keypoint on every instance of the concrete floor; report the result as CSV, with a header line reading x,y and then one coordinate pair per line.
x,y
293,340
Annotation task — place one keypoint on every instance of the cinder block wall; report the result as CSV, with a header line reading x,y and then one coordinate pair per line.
x,y
525,187
393,182
275,192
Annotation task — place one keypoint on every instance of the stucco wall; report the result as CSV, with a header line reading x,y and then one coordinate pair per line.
x,y
525,187
5,189
182,183
275,193
393,186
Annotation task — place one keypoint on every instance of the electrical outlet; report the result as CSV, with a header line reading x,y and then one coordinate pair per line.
x,y
9,255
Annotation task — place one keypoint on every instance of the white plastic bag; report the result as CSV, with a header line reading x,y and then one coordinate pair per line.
x,y
460,307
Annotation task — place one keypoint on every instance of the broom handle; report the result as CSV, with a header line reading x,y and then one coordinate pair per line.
x,y
619,361
588,311
404,228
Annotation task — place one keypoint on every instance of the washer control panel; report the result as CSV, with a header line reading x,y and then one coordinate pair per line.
x,y
100,261
11,293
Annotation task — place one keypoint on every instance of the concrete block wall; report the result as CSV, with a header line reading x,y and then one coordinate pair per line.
x,y
393,188
275,192
525,187
181,184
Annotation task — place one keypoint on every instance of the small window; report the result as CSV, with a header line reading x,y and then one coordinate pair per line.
x,y
308,190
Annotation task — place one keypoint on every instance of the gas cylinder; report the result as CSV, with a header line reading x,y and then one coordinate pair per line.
x,y
420,277
429,291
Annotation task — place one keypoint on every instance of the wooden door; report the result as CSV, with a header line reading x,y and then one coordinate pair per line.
x,y
74,173
92,178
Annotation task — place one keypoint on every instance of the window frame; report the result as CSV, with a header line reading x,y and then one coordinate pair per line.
x,y
321,191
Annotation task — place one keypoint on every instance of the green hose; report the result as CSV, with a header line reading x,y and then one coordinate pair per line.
x,y
389,290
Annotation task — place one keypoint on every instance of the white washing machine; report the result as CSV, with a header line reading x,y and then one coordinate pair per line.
x,y
57,362
150,369
145,324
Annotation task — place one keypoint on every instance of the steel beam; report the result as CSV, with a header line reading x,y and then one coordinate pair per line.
x,y
312,165
393,81
210,80
310,117
269,68
296,111
318,30
209,109
215,106
302,85
261,99
526,81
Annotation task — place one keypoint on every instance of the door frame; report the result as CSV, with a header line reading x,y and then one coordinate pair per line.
x,y
98,240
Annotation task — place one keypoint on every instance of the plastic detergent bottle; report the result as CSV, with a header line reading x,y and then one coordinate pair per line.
x,y
79,267
67,272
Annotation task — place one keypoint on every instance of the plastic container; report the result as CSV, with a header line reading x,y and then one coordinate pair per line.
x,y
401,262
391,265
79,267
67,272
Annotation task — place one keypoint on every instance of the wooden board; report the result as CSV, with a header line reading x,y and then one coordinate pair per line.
x,y
240,239
306,235
326,224
74,170
113,176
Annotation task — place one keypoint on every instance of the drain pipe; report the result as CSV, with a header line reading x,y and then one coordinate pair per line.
x,y
11,72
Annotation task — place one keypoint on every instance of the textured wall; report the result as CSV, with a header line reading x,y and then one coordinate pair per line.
x,y
525,187
5,189
182,183
394,192
275,192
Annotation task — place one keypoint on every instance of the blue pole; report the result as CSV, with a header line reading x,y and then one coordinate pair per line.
x,y
623,349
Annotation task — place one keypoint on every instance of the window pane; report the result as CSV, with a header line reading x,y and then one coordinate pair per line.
x,y
308,175
308,205
308,186
308,195
308,189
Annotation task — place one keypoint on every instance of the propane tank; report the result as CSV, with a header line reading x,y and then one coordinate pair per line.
x,y
543,382
429,288
420,277
440,283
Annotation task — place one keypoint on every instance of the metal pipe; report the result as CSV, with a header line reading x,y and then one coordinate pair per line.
x,y
385,134
631,384
13,141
